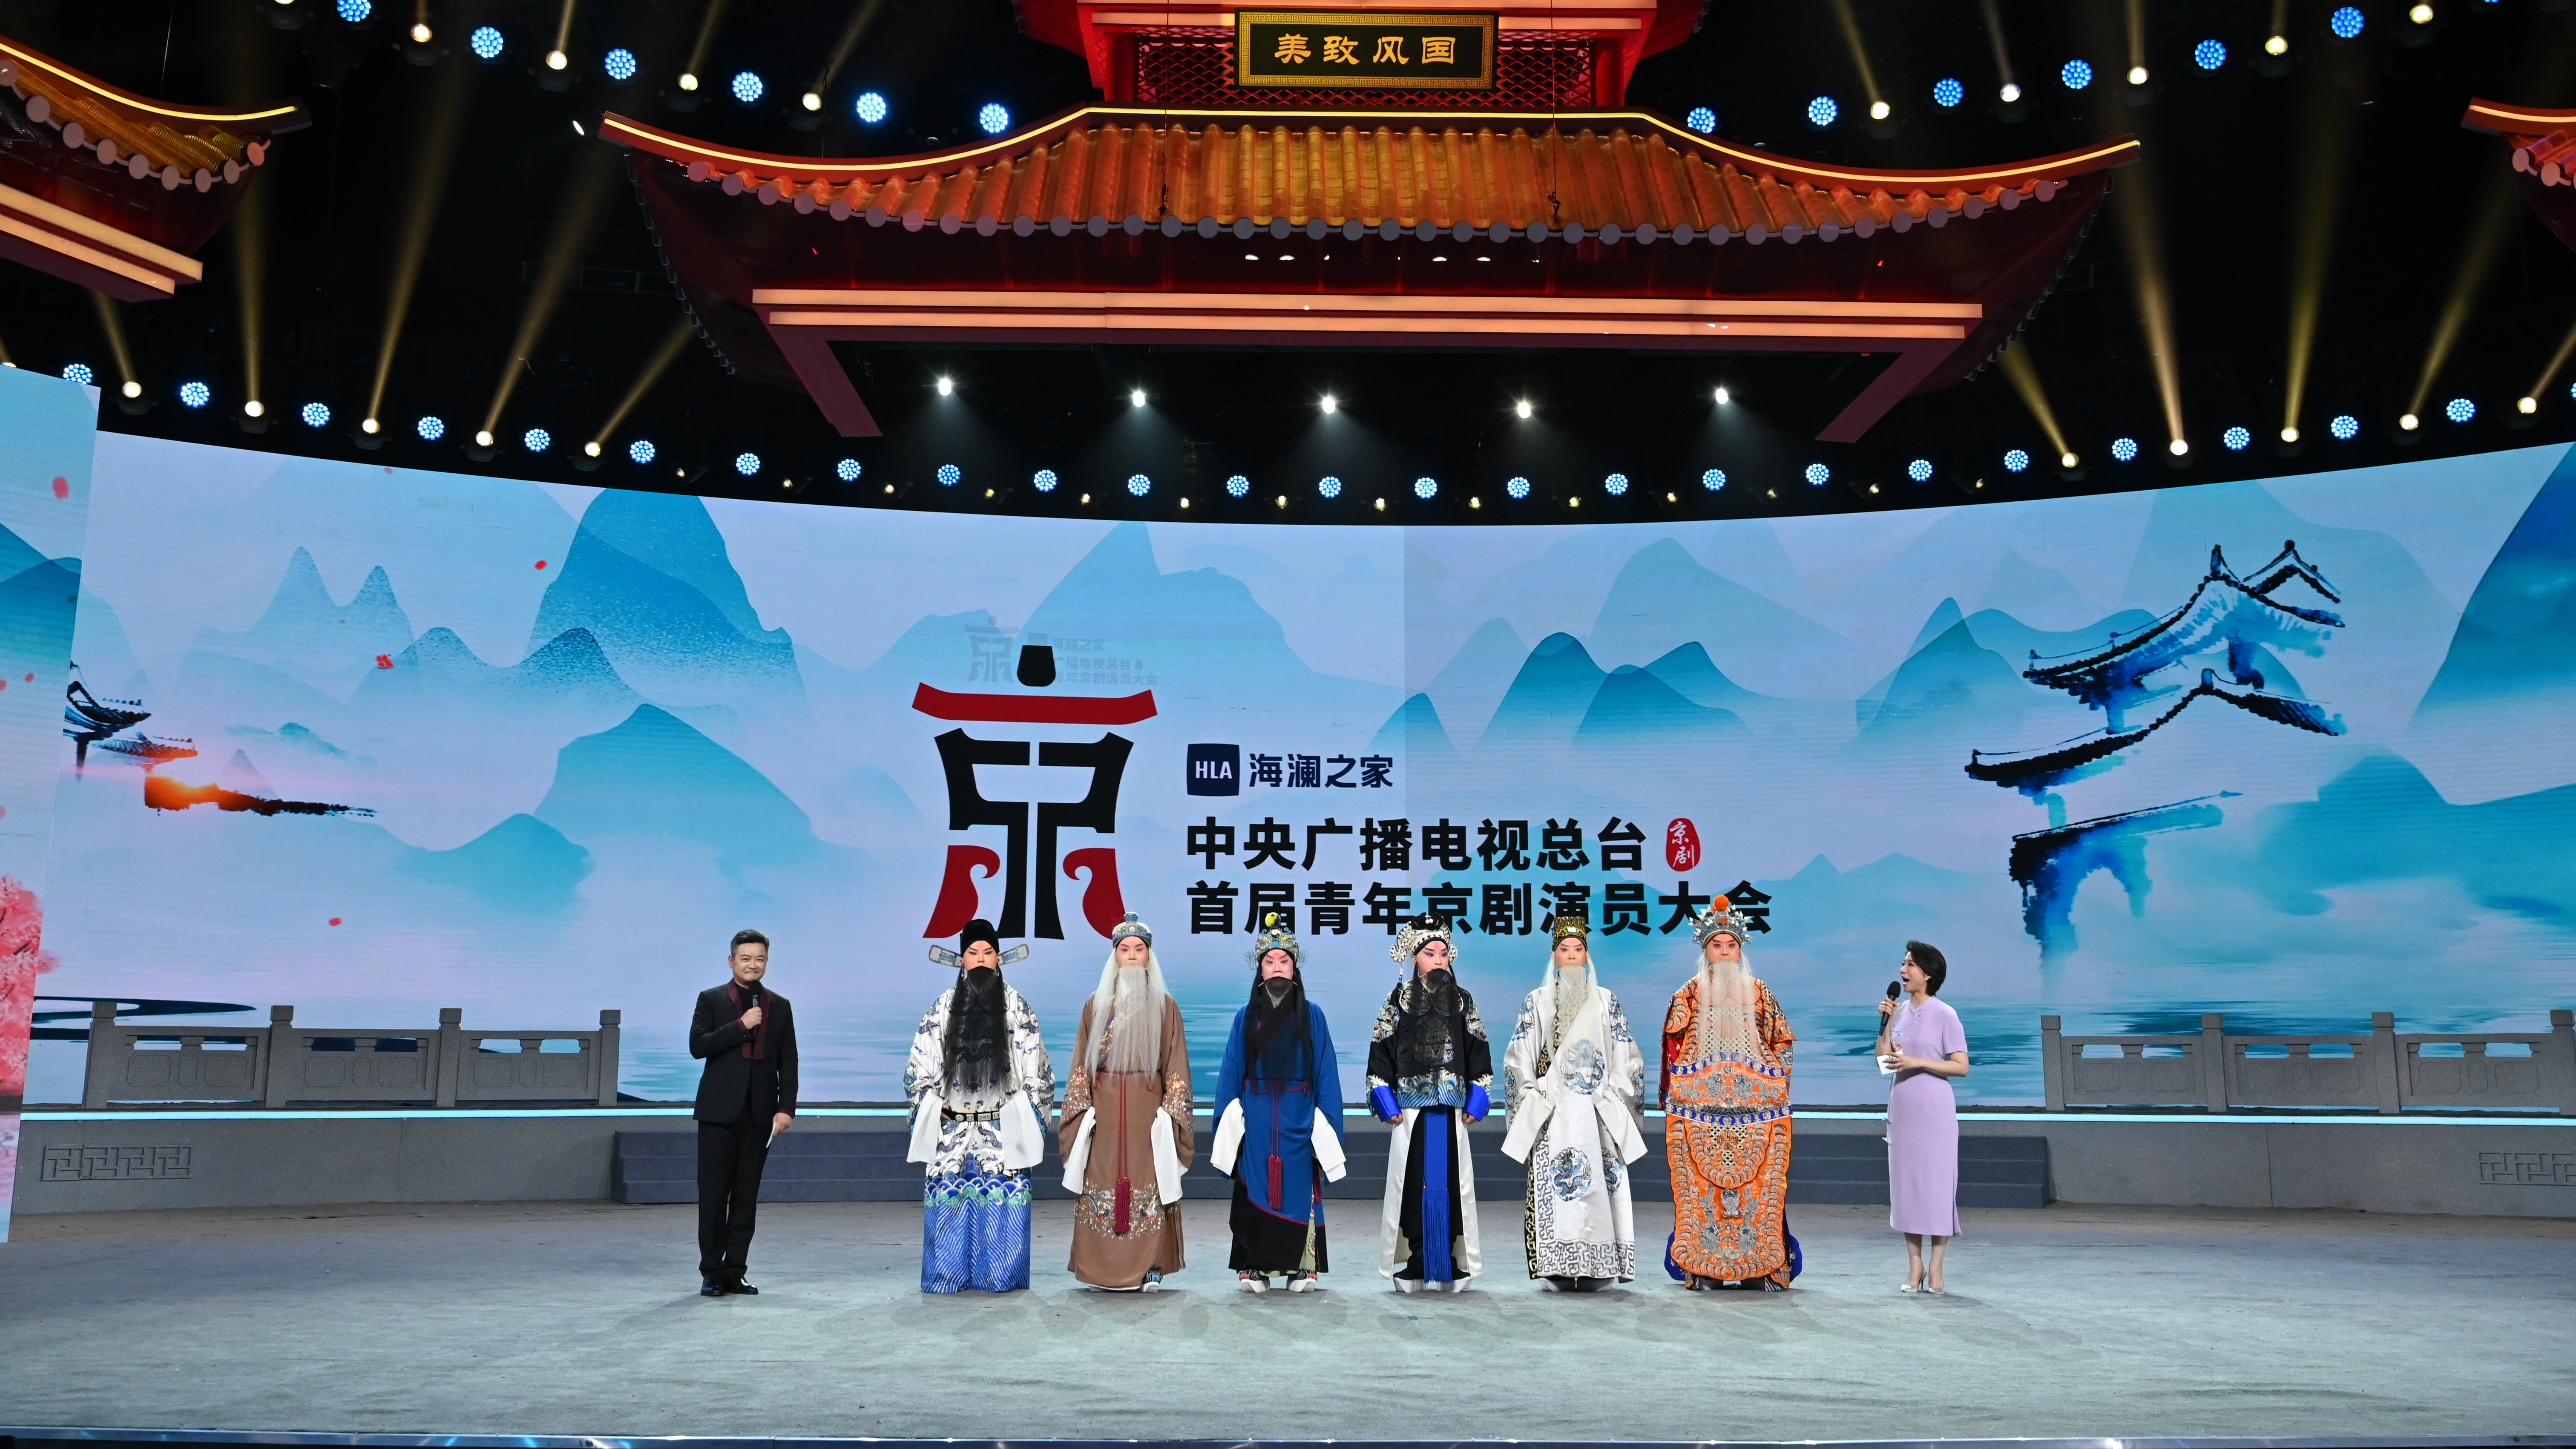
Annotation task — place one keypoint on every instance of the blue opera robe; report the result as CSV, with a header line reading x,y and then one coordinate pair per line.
x,y
1278,1215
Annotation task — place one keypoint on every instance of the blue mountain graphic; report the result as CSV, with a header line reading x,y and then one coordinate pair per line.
x,y
1548,698
16,554
2518,634
1634,707
37,607
1697,678
521,865
1413,735
1952,677
664,631
653,776
441,674
1663,598
307,633
2382,820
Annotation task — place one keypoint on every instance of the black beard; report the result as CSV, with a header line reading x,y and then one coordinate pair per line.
x,y
1276,988
1278,1009
1432,1028
978,1044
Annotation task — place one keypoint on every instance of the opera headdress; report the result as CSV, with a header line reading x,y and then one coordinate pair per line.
x,y
1564,926
1721,915
1414,934
1275,937
1130,927
976,930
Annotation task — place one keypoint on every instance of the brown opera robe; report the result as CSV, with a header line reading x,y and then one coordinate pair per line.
x,y
1122,1146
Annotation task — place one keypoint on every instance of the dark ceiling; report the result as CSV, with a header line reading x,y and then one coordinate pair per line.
x,y
2352,156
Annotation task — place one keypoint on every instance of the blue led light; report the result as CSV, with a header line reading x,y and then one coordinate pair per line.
x,y
79,372
1947,93
2016,460
2209,55
2345,426
1237,486
948,475
431,429
1822,110
315,415
1701,119
1425,488
2345,23
1615,485
537,440
747,464
1139,485
847,470
2237,440
2458,409
747,87
195,394
1043,480
2075,75
641,450
1517,487
2124,449
620,65
1329,486
871,107
1819,474
1713,479
356,11
1920,470
485,42
993,118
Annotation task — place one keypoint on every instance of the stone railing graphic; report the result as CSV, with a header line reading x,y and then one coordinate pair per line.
x,y
2386,1071
283,1062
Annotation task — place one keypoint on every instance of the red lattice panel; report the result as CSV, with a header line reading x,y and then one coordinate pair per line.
x,y
1193,66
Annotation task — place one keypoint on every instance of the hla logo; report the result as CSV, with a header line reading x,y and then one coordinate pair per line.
x,y
1216,769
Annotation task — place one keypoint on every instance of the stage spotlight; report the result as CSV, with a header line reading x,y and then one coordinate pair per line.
x,y
2458,409
1522,409
2345,427
1701,119
2075,75
431,429
1425,488
485,42
2010,94
1381,505
948,475
641,450
2345,22
536,440
1821,111
1920,470
2016,461
369,426
947,385
2209,55
1615,485
2527,406
620,65
132,388
420,32
2237,440
79,372
257,409
2277,45
1721,395
747,87
2137,75
483,437
847,470
2290,434
688,80
2409,422
1713,480
2422,14
1237,486
1329,405
1136,397
1880,110
557,60
747,464
2178,447
1043,480
1517,487
590,449
1281,500
871,107
1138,485
810,101
195,394
2124,449
1819,475
356,11
1947,92
994,118
1329,486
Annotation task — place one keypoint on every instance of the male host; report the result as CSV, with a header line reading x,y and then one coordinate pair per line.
x,y
746,1097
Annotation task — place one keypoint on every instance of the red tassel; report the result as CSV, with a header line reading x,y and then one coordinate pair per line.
x,y
1118,1211
1275,1203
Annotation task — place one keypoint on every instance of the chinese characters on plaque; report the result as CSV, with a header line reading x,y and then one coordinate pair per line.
x,y
1364,50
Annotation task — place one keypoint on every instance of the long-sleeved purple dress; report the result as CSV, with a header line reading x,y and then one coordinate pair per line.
x,y
1923,1124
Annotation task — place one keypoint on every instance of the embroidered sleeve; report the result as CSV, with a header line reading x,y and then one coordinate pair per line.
x,y
1077,1086
1773,1025
1028,1046
924,1070
1627,1065
1520,1065
1381,1057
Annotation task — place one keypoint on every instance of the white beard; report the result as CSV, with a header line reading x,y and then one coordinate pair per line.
x,y
1136,1018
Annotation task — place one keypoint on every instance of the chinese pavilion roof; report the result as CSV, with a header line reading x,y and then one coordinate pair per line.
x,y
1121,220
2542,145
111,189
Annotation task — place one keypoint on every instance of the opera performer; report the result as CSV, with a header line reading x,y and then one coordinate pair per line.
x,y
1430,1073
1279,1121
979,1081
1571,1076
1126,1130
1726,1060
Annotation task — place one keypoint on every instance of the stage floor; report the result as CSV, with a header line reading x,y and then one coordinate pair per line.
x,y
582,1318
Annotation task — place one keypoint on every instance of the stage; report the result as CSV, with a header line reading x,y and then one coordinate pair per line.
x,y
581,1318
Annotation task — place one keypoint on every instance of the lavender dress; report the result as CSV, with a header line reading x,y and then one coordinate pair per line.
x,y
1923,1124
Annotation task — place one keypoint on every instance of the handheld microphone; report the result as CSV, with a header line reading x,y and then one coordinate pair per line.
x,y
1894,990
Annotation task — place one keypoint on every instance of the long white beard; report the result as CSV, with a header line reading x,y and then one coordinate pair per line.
x,y
1136,1023
1573,992
1726,1009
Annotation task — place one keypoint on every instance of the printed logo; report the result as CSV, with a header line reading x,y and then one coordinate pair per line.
x,y
1681,845
1216,769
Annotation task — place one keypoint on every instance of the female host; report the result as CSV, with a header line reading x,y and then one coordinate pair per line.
x,y
1922,1041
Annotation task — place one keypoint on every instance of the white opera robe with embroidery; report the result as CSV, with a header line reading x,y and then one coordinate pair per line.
x,y
1573,1088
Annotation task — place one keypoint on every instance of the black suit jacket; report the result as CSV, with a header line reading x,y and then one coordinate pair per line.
x,y
716,1036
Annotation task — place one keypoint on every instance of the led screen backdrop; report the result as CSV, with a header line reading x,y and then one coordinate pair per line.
x,y
534,750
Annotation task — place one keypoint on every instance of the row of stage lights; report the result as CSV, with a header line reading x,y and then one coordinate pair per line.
x,y
2344,24
431,428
